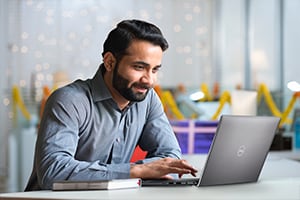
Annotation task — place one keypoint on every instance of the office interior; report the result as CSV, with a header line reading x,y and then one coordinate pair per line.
x,y
217,48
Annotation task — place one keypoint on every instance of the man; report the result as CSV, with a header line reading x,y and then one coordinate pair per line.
x,y
90,128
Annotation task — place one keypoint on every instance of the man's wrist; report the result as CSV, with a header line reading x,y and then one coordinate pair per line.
x,y
135,170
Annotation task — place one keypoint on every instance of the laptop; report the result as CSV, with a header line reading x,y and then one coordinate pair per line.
x,y
237,153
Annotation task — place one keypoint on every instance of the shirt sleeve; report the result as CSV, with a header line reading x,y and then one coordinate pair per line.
x,y
158,137
57,144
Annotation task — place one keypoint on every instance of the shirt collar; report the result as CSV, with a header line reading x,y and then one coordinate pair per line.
x,y
99,89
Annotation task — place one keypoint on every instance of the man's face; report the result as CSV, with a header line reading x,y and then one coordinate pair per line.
x,y
136,72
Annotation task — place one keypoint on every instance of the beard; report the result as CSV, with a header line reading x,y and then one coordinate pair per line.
x,y
121,84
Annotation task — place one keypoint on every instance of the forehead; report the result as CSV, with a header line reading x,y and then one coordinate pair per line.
x,y
143,51
142,45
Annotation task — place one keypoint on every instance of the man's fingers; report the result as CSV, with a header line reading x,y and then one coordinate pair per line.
x,y
167,177
163,167
183,164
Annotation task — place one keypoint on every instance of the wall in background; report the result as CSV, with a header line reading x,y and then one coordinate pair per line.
x,y
3,101
248,43
256,41
291,41
46,36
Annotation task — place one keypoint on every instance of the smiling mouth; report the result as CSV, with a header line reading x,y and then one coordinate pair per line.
x,y
141,89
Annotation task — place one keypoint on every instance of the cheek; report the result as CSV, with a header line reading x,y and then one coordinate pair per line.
x,y
130,76
133,77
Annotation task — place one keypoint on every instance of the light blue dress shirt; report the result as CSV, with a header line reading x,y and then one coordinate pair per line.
x,y
83,135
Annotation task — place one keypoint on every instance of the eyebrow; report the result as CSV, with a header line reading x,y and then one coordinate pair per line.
x,y
141,63
146,64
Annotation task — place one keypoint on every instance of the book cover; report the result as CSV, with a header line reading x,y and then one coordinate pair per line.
x,y
96,185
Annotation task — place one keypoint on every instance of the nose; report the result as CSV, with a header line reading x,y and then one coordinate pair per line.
x,y
149,78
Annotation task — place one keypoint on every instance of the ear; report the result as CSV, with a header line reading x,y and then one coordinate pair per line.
x,y
109,61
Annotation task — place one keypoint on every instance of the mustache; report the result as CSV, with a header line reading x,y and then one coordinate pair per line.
x,y
143,86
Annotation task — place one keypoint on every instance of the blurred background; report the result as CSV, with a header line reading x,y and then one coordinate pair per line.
x,y
217,47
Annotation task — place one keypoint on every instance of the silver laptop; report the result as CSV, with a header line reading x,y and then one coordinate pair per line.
x,y
237,153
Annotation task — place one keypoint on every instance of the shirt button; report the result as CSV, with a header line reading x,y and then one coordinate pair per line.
x,y
118,140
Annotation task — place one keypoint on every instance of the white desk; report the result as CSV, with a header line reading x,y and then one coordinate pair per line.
x,y
280,179
294,154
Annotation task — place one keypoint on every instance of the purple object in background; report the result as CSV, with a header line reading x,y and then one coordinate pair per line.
x,y
194,136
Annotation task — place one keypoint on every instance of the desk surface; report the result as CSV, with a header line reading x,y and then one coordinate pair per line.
x,y
275,189
279,179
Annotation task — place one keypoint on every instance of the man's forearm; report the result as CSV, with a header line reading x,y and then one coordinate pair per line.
x,y
76,170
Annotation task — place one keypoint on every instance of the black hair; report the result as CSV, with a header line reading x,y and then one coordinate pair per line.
x,y
120,38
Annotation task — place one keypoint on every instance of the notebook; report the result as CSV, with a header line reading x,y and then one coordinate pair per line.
x,y
66,185
237,153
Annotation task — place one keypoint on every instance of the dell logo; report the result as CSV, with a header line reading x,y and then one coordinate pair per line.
x,y
241,150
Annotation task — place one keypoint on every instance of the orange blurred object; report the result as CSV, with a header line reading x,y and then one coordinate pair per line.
x,y
138,154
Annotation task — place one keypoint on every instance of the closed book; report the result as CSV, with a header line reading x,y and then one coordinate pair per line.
x,y
96,185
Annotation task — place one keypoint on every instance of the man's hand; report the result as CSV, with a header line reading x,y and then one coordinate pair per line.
x,y
161,168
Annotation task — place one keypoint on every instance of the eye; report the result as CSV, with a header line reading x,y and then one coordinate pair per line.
x,y
138,67
155,69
